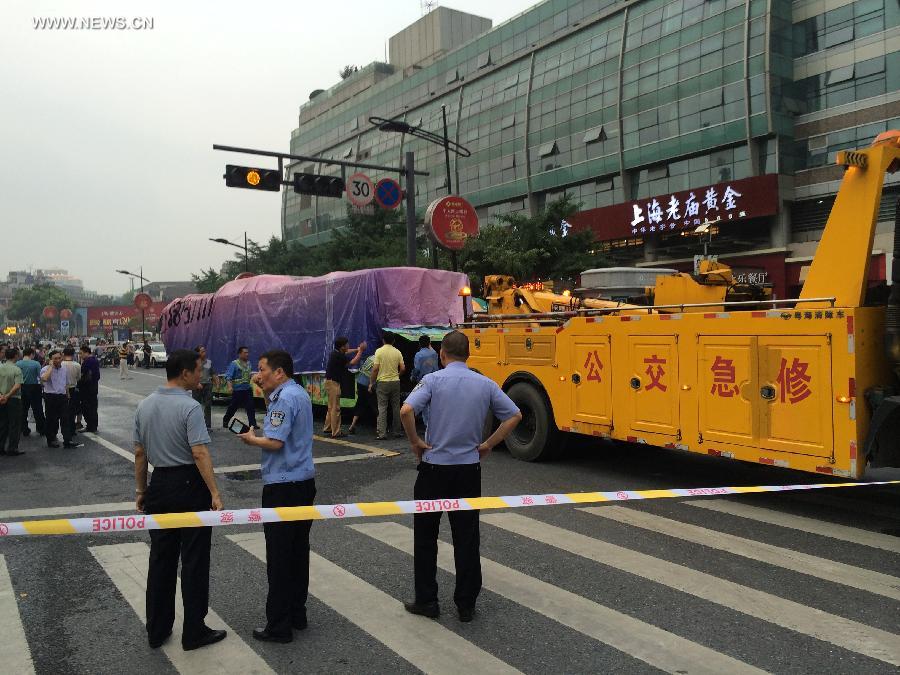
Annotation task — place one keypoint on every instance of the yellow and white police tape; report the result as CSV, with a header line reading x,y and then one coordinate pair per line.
x,y
103,524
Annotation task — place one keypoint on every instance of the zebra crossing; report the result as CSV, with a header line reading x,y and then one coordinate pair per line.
x,y
359,602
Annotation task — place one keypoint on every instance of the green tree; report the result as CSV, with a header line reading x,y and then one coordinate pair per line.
x,y
28,303
208,281
531,247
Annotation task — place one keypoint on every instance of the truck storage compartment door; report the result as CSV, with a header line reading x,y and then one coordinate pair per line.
x,y
530,349
795,411
652,374
728,391
592,380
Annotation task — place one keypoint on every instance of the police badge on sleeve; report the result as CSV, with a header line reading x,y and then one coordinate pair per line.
x,y
276,418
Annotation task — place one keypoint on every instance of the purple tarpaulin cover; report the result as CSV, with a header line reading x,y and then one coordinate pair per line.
x,y
303,315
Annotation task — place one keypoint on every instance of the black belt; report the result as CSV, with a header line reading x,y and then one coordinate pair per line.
x,y
174,469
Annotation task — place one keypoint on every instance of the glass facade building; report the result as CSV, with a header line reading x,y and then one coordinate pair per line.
x,y
618,102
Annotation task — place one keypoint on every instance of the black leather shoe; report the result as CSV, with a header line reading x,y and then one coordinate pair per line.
x,y
208,638
299,624
72,446
430,609
14,453
52,444
263,635
159,642
466,614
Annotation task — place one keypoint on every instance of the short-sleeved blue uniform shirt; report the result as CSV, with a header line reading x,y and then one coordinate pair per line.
x,y
460,400
289,420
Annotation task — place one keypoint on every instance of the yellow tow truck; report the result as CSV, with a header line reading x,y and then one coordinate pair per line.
x,y
703,364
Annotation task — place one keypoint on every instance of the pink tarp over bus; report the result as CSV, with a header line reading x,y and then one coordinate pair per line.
x,y
303,315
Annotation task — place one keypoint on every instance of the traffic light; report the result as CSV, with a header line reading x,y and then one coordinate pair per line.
x,y
321,186
252,179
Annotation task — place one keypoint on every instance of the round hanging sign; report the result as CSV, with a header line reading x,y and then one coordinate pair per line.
x,y
451,222
143,301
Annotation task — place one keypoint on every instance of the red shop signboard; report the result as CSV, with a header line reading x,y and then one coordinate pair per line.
x,y
723,202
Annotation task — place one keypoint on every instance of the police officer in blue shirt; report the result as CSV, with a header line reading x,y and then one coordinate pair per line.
x,y
288,477
449,468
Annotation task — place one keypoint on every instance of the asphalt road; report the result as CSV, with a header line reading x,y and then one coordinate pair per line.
x,y
792,582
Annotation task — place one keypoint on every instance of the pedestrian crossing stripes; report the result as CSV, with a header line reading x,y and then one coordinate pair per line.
x,y
801,523
654,646
829,570
845,633
126,565
14,653
446,646
425,644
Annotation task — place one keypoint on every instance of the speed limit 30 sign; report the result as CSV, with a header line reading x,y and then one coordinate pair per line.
x,y
360,190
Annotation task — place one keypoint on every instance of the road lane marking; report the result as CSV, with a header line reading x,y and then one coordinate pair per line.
x,y
845,633
14,652
374,449
126,565
67,510
645,642
814,566
425,644
112,447
825,529
123,392
140,372
122,452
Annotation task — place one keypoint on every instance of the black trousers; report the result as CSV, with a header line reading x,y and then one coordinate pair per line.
x,y
10,427
88,395
73,407
173,490
447,482
241,398
287,556
31,398
56,406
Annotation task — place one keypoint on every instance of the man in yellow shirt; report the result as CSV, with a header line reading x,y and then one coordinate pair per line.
x,y
386,381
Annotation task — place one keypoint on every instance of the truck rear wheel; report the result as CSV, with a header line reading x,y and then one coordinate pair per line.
x,y
535,438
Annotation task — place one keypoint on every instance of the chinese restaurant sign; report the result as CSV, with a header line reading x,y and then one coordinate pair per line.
x,y
723,202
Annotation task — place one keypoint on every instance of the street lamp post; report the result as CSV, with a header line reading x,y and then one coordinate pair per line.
x,y
140,276
220,240
448,145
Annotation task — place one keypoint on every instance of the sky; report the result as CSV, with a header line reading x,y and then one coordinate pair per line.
x,y
106,135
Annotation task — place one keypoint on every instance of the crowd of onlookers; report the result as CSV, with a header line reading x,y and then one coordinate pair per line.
x,y
57,385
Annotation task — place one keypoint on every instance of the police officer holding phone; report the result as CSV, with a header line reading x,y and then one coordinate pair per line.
x,y
450,468
288,477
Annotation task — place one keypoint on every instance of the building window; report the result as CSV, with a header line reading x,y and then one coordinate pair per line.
x,y
548,149
596,135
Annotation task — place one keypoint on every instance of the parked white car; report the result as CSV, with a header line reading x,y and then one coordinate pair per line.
x,y
158,356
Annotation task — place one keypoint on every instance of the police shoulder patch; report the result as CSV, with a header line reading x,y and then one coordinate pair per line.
x,y
419,385
276,418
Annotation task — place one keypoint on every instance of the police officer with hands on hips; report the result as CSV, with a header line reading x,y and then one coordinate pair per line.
x,y
171,434
288,477
449,468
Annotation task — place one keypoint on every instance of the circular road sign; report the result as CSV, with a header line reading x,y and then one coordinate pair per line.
x,y
388,193
451,222
360,190
49,312
65,314
143,301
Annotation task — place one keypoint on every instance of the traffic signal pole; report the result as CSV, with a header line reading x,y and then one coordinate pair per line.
x,y
409,172
410,209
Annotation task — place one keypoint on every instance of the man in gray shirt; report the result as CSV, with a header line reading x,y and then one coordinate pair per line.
x,y
170,434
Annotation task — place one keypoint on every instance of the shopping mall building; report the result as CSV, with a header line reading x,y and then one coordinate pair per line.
x,y
656,116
